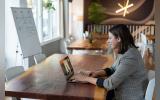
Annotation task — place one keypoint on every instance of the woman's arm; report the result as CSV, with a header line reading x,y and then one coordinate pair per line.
x,y
127,66
98,73
92,80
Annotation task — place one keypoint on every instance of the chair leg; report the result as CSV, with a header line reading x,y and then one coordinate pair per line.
x,y
15,98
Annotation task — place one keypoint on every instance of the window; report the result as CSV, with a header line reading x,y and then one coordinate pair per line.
x,y
47,19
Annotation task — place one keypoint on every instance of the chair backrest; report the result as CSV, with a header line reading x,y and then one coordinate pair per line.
x,y
13,72
149,60
66,43
143,43
39,58
143,38
150,89
72,38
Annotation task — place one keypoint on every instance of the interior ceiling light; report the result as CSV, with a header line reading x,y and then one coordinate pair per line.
x,y
124,8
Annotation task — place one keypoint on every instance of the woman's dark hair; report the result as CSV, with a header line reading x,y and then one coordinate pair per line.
x,y
122,31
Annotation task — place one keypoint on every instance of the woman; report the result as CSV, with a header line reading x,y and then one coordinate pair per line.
x,y
127,75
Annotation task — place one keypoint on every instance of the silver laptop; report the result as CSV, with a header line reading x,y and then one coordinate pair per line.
x,y
67,69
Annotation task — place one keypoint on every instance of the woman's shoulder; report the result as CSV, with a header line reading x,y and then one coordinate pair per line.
x,y
131,52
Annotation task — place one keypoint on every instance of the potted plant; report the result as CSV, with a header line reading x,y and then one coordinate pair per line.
x,y
47,4
96,12
96,15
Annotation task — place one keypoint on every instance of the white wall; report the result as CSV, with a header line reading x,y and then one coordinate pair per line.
x,y
2,33
12,43
77,24
2,47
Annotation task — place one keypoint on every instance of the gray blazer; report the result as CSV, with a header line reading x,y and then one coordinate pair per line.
x,y
130,77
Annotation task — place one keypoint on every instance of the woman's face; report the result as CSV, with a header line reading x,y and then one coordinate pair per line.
x,y
113,41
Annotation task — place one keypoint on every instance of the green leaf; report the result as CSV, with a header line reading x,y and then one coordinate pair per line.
x,y
48,5
96,13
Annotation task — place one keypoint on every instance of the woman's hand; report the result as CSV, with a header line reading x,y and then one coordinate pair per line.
x,y
87,73
83,78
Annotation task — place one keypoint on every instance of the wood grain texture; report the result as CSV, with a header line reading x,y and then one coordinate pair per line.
x,y
99,36
98,44
47,81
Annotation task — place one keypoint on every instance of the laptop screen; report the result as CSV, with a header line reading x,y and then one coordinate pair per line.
x,y
67,67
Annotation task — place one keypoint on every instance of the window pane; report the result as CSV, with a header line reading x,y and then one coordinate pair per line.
x,y
51,21
47,19
46,23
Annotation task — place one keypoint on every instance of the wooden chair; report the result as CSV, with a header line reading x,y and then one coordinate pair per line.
x,y
149,64
148,60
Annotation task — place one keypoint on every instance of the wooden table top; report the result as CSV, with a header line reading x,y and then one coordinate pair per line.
x,y
100,36
98,44
150,37
46,80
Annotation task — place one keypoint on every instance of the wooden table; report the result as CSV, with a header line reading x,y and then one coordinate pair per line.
x,y
46,80
100,36
151,37
98,44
